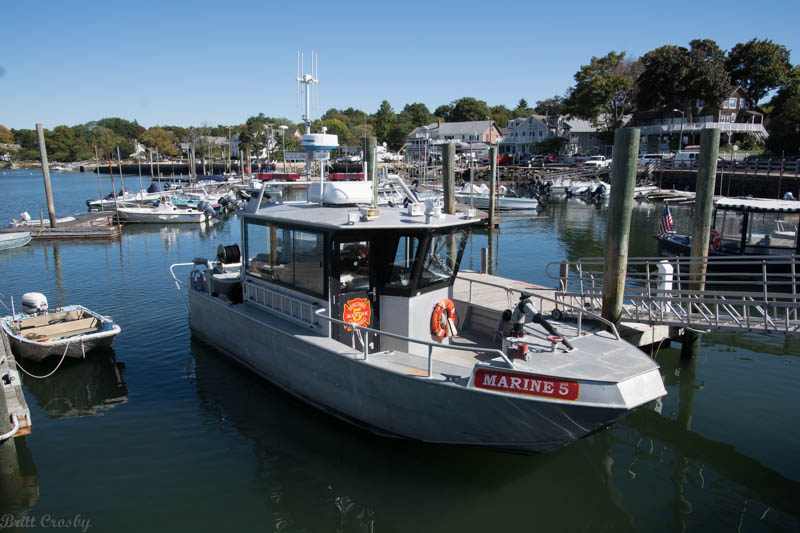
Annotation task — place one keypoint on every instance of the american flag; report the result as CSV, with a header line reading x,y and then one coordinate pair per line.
x,y
666,222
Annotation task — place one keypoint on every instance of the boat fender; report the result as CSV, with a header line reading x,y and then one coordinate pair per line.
x,y
715,240
440,325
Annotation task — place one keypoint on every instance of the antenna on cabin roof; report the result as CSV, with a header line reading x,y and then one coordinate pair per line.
x,y
308,81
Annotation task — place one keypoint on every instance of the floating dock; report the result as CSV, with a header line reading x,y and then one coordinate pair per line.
x,y
82,226
12,388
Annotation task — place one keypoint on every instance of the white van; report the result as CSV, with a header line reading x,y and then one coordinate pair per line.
x,y
686,159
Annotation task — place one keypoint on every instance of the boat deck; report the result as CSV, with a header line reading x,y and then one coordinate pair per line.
x,y
12,388
482,298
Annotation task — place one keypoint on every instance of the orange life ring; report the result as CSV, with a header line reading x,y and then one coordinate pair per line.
x,y
715,240
439,327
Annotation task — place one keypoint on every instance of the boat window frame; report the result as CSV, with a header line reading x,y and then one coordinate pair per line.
x,y
384,255
292,227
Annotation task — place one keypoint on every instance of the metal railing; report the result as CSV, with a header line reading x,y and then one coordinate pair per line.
x,y
305,312
431,345
294,308
578,310
749,293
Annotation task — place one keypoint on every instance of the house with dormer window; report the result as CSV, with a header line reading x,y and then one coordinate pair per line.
x,y
734,115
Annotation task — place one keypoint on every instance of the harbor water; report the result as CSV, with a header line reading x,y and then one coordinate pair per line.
x,y
163,433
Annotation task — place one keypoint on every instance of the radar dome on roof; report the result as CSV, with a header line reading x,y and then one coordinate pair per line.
x,y
320,141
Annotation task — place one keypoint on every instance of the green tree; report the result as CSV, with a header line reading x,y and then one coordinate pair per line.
x,y
124,128
468,109
416,114
384,120
60,143
551,107
158,138
522,110
29,144
759,66
501,115
5,135
337,127
675,76
107,142
605,90
444,112
784,137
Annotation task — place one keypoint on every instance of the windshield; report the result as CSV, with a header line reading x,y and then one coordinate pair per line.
x,y
441,261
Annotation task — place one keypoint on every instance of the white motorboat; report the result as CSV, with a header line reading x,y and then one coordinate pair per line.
x,y
164,213
479,198
69,331
14,240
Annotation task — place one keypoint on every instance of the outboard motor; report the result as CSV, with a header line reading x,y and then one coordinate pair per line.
x,y
206,208
34,303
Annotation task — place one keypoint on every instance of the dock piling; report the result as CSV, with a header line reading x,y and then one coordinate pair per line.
x,y
48,191
9,466
449,177
623,181
492,183
701,233
370,157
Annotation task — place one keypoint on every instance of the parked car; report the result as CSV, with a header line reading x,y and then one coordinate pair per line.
x,y
505,160
597,161
656,159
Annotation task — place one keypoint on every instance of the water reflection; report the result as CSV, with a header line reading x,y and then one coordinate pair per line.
x,y
79,388
320,474
19,482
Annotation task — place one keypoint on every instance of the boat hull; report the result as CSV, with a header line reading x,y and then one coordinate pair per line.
x,y
64,343
387,402
481,201
77,349
9,241
144,215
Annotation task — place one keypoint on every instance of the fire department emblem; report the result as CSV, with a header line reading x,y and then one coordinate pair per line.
x,y
357,311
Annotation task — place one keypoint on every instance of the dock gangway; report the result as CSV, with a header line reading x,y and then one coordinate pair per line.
x,y
740,294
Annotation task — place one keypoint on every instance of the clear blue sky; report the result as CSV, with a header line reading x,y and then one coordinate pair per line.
x,y
195,62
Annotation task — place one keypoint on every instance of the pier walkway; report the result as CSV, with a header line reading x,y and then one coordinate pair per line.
x,y
741,294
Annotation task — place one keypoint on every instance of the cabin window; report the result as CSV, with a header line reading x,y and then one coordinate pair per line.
x,y
441,261
289,257
402,266
353,263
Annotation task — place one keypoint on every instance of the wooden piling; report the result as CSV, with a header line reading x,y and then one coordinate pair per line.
x,y
701,233
623,182
449,177
48,191
492,183
369,146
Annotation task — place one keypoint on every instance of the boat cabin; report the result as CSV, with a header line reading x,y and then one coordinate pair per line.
x,y
384,270
756,226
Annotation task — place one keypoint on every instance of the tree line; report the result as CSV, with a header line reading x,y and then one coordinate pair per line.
x,y
607,91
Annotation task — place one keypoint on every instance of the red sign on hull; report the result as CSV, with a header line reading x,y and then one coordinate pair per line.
x,y
527,384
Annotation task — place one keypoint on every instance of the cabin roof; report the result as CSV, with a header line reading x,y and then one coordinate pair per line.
x,y
758,204
337,218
